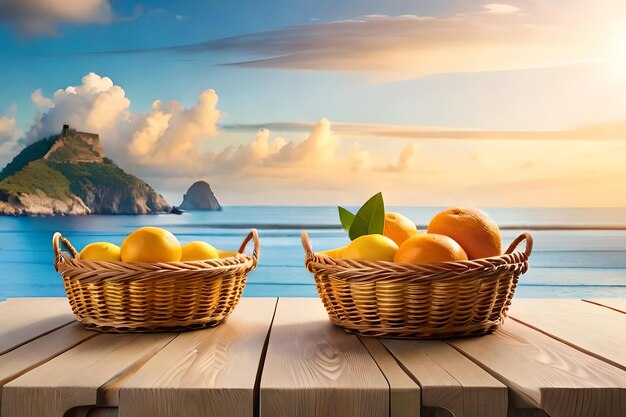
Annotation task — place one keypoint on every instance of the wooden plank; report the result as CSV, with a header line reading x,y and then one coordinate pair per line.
x,y
449,380
73,378
435,412
517,412
103,412
82,411
32,354
22,320
405,394
618,304
89,411
544,373
595,330
315,369
209,372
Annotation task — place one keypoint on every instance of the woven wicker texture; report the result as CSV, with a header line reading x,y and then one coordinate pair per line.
x,y
431,301
125,297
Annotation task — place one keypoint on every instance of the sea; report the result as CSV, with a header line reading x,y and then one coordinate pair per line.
x,y
578,252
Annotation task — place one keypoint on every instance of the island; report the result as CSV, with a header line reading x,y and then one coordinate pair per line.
x,y
200,197
70,174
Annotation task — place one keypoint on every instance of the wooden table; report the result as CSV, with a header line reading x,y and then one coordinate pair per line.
x,y
282,357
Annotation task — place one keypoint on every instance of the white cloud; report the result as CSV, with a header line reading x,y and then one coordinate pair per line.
x,y
607,130
319,147
319,154
44,16
41,101
169,134
408,158
496,8
253,154
360,159
188,127
96,105
172,133
9,135
488,37
149,128
174,144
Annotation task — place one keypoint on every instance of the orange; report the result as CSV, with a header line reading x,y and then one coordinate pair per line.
x,y
429,248
198,251
100,251
151,244
398,227
472,228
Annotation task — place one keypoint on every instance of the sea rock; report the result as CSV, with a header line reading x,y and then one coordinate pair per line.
x,y
200,197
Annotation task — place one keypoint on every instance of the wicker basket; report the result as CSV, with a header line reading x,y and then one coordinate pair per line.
x,y
433,301
123,297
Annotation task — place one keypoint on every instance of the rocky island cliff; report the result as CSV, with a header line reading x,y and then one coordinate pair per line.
x,y
200,197
69,173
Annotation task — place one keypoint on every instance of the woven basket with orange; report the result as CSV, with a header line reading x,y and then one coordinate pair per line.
x,y
452,281
118,296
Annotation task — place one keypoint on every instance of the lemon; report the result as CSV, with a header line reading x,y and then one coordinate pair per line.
x,y
198,251
151,244
100,251
371,248
336,253
226,253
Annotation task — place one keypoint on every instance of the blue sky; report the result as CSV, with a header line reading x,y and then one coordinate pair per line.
x,y
399,94
33,60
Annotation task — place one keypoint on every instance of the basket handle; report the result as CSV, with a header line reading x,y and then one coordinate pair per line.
x,y
306,243
254,236
57,240
529,244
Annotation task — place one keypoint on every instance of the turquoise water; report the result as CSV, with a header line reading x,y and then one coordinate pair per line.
x,y
584,257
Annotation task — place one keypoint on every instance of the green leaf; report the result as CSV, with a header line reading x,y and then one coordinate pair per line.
x,y
370,219
346,218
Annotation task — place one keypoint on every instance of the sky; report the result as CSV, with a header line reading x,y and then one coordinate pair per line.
x,y
463,102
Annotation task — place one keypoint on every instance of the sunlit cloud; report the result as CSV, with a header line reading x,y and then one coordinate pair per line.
x,y
96,105
41,101
610,130
173,133
325,162
483,37
168,134
44,16
9,135
496,8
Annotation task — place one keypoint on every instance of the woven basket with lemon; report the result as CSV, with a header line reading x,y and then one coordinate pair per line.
x,y
152,283
392,280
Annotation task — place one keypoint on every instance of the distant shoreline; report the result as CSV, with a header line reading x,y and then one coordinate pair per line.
x,y
278,226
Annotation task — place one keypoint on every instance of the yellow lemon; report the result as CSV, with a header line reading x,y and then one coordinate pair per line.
x,y
151,244
371,248
100,251
336,253
225,253
198,251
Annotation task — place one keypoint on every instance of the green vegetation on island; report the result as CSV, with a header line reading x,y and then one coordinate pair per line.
x,y
70,174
